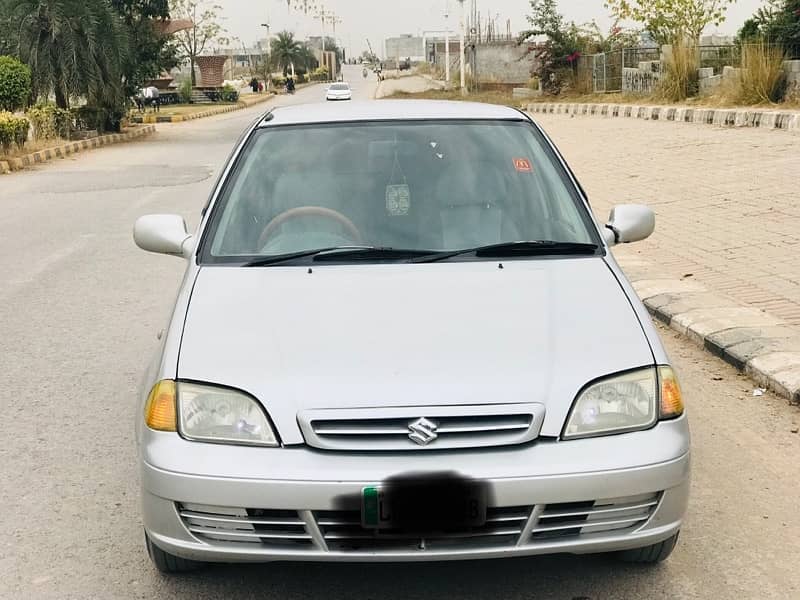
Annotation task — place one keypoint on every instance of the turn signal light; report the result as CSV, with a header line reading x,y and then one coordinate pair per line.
x,y
159,413
671,398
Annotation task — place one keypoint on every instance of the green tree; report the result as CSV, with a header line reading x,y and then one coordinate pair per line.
x,y
150,52
206,31
776,23
672,21
74,48
15,84
558,44
286,51
6,32
784,29
306,58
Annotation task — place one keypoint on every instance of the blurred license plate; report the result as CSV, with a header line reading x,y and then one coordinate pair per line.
x,y
422,508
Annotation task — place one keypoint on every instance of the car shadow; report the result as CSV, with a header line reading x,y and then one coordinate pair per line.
x,y
563,576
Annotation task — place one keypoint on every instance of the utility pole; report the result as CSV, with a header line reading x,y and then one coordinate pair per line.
x,y
447,43
461,47
334,20
322,15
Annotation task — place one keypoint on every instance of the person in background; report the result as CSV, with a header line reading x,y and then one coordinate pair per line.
x,y
153,97
254,85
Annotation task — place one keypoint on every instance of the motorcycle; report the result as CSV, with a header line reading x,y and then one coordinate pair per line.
x,y
364,73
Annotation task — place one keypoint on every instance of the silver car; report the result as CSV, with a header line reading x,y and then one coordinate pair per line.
x,y
402,336
339,91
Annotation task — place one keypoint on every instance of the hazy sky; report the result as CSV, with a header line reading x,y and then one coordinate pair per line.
x,y
378,19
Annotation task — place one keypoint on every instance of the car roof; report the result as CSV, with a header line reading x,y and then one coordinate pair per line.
x,y
388,110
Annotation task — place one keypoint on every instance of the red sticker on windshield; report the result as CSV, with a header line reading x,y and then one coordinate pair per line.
x,y
523,165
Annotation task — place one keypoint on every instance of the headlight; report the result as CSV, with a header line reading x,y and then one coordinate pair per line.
x,y
212,414
629,402
622,403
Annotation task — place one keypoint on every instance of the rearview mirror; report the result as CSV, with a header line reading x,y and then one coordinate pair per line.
x,y
629,223
163,234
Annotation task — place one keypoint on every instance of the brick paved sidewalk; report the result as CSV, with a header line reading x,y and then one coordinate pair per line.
x,y
726,200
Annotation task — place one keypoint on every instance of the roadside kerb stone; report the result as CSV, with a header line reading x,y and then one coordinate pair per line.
x,y
721,117
751,340
42,156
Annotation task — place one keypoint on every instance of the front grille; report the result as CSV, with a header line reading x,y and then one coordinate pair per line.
x,y
421,428
281,528
587,518
342,532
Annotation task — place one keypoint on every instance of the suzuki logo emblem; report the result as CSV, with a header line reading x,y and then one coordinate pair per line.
x,y
422,431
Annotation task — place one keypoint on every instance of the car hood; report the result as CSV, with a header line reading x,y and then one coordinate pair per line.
x,y
364,336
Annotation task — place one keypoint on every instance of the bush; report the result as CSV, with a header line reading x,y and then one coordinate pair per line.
x,y
762,77
13,130
185,91
319,74
278,82
97,118
680,79
49,122
15,84
229,94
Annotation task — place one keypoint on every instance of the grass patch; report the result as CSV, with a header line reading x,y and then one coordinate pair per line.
x,y
680,79
189,109
32,146
761,78
487,97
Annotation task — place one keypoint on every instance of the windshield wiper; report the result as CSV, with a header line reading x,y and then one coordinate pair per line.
x,y
513,249
371,254
342,253
282,258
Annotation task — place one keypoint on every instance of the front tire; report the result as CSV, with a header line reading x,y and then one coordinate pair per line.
x,y
167,563
651,555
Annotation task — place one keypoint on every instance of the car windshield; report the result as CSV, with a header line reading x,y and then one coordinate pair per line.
x,y
340,87
435,186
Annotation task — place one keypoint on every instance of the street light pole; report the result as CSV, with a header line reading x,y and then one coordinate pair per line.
x,y
268,67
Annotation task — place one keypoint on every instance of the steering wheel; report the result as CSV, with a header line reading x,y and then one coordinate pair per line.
x,y
302,212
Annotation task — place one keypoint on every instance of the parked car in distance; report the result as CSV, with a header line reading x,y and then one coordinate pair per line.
x,y
405,65
402,336
339,91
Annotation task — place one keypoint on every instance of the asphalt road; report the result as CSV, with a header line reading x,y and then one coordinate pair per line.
x,y
80,307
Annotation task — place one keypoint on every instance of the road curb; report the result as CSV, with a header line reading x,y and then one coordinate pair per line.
x,y
721,117
42,156
751,340
220,110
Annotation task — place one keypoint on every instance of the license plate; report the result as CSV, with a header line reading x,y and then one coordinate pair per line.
x,y
423,508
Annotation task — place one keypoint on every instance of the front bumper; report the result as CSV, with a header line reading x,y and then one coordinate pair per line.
x,y
526,483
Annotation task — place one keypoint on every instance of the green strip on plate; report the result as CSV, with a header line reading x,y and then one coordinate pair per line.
x,y
370,506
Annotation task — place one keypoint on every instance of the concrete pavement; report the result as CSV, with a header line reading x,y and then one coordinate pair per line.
x,y
722,265
80,308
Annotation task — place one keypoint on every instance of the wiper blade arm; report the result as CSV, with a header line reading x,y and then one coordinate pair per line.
x,y
512,249
371,254
282,258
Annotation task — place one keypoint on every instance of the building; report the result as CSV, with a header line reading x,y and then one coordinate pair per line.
x,y
403,47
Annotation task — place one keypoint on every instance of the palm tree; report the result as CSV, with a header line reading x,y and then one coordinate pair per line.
x,y
307,58
286,50
75,48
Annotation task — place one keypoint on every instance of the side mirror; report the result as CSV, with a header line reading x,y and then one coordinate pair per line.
x,y
163,234
630,223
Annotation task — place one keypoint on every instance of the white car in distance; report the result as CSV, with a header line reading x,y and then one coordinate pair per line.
x,y
339,91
